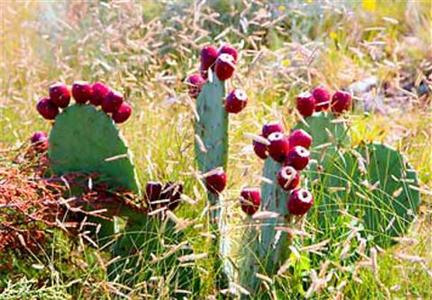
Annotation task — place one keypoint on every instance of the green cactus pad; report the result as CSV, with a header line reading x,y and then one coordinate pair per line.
x,y
211,151
211,126
84,139
392,200
373,183
325,129
268,248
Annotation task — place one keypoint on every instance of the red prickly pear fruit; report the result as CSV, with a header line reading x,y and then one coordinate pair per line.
x,y
82,91
195,83
288,178
250,200
112,101
306,104
322,98
153,190
271,127
39,141
215,180
299,202
299,137
122,113
100,91
228,49
236,101
59,94
298,157
173,192
153,193
341,101
208,58
38,137
47,109
260,149
225,66
279,146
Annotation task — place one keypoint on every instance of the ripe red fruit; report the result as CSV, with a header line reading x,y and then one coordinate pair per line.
x,y
250,200
112,102
216,180
59,94
195,83
271,127
100,91
47,108
288,178
38,137
236,101
153,190
225,66
299,137
260,149
279,146
82,91
39,141
299,202
122,113
173,192
298,157
341,101
208,58
322,98
228,49
305,104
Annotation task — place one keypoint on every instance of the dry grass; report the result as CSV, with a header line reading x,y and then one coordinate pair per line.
x,y
146,49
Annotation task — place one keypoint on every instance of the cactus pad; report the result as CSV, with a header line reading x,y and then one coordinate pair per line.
x,y
268,247
373,183
392,193
211,127
84,139
325,130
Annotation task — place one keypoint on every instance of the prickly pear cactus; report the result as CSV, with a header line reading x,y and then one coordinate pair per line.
x,y
391,197
325,130
267,248
211,127
373,183
211,150
84,139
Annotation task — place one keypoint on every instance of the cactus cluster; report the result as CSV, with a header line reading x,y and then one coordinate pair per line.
x,y
371,182
211,131
279,200
85,142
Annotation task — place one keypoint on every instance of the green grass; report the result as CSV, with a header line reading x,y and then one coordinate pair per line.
x,y
146,53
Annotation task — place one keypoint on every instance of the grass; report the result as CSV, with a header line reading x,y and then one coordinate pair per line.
x,y
146,51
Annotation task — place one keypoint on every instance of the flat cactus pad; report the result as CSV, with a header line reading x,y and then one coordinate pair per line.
x,y
84,139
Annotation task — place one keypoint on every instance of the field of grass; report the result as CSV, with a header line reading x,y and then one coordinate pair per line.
x,y
145,49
